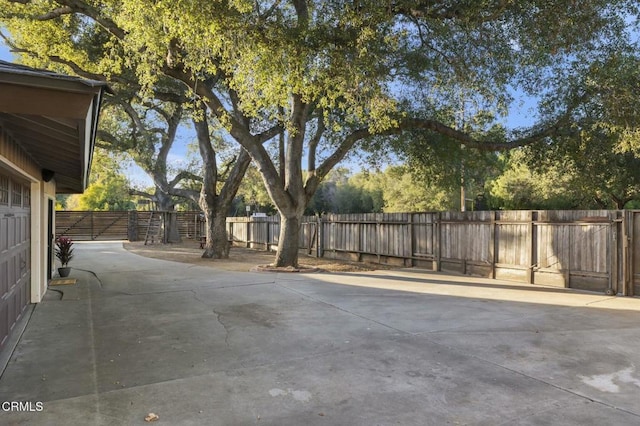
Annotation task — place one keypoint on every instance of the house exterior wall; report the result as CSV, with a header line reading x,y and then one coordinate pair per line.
x,y
18,162
13,156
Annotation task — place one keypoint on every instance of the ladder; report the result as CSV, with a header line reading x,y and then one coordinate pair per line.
x,y
154,229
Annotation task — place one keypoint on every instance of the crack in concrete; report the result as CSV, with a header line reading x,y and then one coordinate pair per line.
x,y
219,316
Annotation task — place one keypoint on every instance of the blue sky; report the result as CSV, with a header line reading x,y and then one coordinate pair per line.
x,y
5,54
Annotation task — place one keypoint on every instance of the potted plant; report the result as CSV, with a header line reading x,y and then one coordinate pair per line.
x,y
64,253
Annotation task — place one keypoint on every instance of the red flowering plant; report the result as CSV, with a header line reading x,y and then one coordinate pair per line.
x,y
64,250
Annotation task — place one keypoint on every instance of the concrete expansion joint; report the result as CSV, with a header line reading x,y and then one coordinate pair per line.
x,y
534,413
601,300
197,297
539,380
322,302
242,285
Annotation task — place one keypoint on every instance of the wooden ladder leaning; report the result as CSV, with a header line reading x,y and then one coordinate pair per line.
x,y
154,229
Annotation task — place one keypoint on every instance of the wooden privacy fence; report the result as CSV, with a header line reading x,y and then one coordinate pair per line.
x,y
591,250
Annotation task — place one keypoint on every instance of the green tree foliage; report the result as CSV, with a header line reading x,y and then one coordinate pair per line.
x,y
328,76
108,187
520,187
403,193
342,193
372,192
394,190
600,157
139,118
252,193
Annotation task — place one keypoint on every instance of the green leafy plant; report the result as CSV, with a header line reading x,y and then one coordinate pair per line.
x,y
64,250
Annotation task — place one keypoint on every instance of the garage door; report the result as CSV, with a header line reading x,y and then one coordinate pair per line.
x,y
15,259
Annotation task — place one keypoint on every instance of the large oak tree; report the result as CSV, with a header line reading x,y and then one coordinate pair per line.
x,y
329,75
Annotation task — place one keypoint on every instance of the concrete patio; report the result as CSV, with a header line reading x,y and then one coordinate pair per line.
x,y
199,345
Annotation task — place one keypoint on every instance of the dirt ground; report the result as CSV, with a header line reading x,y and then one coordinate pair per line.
x,y
240,259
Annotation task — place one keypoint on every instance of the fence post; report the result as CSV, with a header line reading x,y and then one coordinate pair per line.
x,y
132,229
494,243
378,235
532,241
630,216
625,253
319,236
411,242
613,254
437,240
91,222
360,226
248,244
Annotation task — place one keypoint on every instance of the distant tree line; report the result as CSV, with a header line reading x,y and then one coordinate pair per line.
x,y
515,180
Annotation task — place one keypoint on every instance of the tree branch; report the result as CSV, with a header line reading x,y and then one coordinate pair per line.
x,y
137,121
313,144
234,180
173,121
141,193
83,8
560,128
222,176
557,129
56,13
111,141
185,193
182,176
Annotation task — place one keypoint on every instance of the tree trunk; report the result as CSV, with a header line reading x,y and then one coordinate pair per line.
x,y
288,242
165,204
172,232
217,245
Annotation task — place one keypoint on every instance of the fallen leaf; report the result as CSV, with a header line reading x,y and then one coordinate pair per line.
x,y
151,417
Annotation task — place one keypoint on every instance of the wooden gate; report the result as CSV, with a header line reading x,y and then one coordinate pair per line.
x,y
91,226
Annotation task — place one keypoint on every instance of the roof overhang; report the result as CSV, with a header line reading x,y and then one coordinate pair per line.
x,y
54,118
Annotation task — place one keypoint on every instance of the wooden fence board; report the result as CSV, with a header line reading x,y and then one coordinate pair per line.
x,y
591,249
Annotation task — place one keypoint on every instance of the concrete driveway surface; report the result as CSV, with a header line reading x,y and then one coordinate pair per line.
x,y
201,346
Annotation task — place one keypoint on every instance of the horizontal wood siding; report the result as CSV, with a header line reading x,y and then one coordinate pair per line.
x,y
13,152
